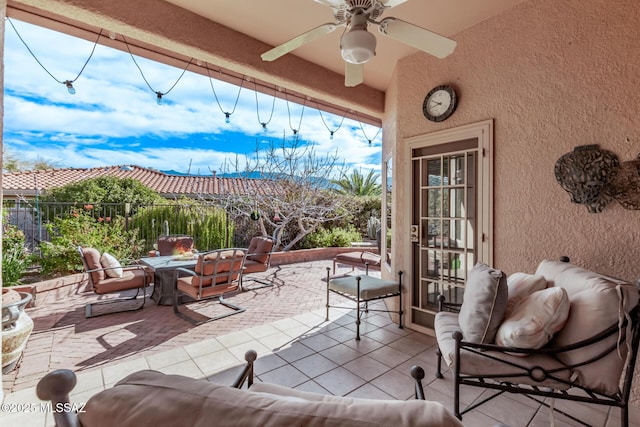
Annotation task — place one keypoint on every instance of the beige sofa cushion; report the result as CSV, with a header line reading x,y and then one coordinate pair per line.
x,y
484,304
493,362
149,398
597,302
535,320
521,285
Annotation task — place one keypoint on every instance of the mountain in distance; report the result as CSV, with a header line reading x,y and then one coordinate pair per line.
x,y
255,175
251,175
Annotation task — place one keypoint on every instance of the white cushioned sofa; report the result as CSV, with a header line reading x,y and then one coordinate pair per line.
x,y
562,332
154,399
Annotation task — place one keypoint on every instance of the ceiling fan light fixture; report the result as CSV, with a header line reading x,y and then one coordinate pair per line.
x,y
358,46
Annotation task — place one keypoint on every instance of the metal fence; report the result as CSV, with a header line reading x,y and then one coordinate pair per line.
x,y
32,217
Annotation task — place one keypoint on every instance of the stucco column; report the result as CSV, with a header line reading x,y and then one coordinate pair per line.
x,y
3,12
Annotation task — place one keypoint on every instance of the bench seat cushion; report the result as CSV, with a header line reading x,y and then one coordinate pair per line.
x,y
370,287
359,259
150,398
493,362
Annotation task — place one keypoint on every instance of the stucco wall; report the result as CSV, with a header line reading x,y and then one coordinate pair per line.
x,y
552,75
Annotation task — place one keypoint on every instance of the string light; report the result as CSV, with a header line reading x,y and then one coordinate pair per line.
x,y
67,83
159,94
227,114
295,130
364,133
331,131
264,124
70,87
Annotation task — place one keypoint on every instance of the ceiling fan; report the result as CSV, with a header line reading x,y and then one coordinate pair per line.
x,y
358,45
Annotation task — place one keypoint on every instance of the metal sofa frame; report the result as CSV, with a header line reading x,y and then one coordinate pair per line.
x,y
584,394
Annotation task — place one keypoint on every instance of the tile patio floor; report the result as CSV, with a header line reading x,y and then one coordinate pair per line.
x,y
285,325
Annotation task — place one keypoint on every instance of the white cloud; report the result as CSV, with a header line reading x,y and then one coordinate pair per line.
x,y
113,117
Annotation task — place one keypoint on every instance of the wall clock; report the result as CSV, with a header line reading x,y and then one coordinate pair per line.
x,y
440,103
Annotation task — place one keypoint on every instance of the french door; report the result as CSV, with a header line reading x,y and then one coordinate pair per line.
x,y
451,216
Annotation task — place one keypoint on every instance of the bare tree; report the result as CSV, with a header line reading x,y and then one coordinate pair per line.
x,y
297,195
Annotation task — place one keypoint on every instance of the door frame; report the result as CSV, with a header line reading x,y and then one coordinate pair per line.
x,y
483,132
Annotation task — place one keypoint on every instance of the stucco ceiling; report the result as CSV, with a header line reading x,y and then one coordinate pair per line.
x,y
276,21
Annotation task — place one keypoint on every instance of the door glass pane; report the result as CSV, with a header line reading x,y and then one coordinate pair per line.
x,y
433,173
433,202
446,218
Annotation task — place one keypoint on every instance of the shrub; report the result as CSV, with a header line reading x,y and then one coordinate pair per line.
x,y
80,228
15,258
335,237
207,224
100,192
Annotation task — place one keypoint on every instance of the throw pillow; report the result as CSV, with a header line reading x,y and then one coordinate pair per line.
x,y
535,319
113,267
484,304
521,285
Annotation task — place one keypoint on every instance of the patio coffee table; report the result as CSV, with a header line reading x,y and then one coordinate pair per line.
x,y
362,289
163,270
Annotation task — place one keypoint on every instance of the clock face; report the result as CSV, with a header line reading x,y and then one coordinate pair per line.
x,y
439,103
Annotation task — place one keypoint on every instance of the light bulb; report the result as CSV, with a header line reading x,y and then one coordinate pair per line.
x,y
295,131
369,142
70,87
331,136
264,127
227,117
159,98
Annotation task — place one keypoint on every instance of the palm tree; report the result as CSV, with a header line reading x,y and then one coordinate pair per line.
x,y
357,184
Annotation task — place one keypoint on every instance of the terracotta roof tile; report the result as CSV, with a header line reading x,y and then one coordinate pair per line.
x,y
25,183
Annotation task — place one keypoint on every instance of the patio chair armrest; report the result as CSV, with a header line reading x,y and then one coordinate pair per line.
x,y
418,375
448,306
185,271
246,376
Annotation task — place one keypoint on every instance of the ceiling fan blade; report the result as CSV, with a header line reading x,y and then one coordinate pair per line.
x,y
298,41
353,74
388,4
425,40
332,3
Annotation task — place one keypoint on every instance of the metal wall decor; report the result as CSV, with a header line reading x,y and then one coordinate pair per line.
x,y
594,177
626,184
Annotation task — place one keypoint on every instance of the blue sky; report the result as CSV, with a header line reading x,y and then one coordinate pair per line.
x,y
113,118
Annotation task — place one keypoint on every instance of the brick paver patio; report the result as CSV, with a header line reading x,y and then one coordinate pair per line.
x,y
64,338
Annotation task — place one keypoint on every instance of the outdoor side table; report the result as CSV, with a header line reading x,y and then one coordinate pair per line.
x,y
163,271
361,290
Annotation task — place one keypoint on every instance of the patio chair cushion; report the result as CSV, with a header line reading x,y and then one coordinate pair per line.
x,y
359,258
496,362
224,265
131,279
111,264
92,257
597,301
520,286
535,320
150,398
259,249
251,266
484,303
174,245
